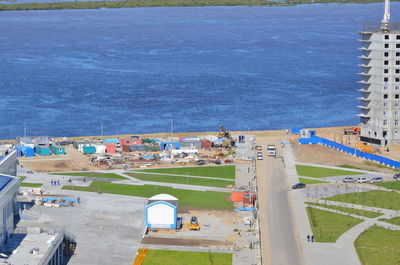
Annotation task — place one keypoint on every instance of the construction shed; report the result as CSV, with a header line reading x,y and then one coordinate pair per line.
x,y
89,149
42,150
161,212
25,151
57,150
111,148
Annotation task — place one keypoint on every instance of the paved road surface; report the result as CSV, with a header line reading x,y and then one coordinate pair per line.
x,y
277,223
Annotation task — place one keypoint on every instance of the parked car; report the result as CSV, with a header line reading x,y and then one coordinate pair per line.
x,y
258,147
376,179
259,157
396,176
362,180
298,186
349,180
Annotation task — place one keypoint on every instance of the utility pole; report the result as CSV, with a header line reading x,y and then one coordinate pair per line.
x,y
25,129
172,127
101,128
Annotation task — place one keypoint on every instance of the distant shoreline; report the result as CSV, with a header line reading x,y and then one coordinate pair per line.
x,y
169,3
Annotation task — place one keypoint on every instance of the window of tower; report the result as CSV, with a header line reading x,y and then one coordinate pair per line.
x,y
397,37
386,62
397,45
386,54
396,122
386,79
397,79
386,45
397,62
397,71
386,37
396,87
384,122
396,96
397,54
385,96
385,71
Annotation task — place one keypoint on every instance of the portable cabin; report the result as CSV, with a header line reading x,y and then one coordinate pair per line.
x,y
100,148
111,148
88,149
58,150
169,145
161,211
190,144
42,150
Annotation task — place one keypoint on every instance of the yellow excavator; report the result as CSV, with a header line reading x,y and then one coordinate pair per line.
x,y
224,134
194,224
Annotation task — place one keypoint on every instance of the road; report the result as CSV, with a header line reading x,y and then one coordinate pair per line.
x,y
278,228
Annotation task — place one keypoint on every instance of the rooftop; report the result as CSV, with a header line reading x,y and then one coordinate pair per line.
x,y
30,248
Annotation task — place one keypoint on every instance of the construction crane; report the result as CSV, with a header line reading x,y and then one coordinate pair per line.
x,y
224,134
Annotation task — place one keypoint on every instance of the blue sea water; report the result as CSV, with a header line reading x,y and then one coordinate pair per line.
x,y
63,73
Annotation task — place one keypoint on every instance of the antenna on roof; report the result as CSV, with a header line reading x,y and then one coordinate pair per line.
x,y
386,16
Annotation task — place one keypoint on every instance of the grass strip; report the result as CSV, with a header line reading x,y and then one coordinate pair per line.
x,y
395,185
365,213
378,246
188,198
228,172
184,180
374,198
91,175
328,226
322,172
170,257
31,185
393,221
311,181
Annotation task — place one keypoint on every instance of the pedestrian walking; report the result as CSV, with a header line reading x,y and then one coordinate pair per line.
x,y
51,182
312,238
308,238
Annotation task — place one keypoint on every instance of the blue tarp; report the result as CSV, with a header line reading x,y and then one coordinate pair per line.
x,y
111,140
49,199
296,130
68,199
352,151
25,151
246,209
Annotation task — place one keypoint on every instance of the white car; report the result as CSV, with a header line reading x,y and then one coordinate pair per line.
x,y
259,157
362,180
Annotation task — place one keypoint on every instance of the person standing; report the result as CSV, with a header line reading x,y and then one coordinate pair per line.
x,y
312,238
308,238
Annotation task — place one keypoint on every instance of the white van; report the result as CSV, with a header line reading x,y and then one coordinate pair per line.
x,y
362,180
271,150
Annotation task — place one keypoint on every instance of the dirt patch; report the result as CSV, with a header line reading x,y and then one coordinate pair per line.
x,y
184,242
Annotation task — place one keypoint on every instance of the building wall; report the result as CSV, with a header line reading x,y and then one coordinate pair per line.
x,y
8,210
8,165
380,87
161,215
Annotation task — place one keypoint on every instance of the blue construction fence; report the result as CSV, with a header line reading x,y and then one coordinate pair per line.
x,y
349,150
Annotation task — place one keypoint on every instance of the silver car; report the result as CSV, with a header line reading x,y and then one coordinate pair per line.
x,y
376,180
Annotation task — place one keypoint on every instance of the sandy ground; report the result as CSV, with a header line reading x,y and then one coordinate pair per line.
x,y
72,161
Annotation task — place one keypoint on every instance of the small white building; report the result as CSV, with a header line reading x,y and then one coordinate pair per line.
x,y
161,211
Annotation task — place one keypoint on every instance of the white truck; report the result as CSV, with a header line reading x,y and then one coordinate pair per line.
x,y
271,150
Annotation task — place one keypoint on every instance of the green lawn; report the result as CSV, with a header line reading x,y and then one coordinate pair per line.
x,y
395,221
168,257
348,210
26,184
31,185
327,226
373,198
228,172
91,175
189,198
378,246
311,181
183,180
321,172
350,167
395,185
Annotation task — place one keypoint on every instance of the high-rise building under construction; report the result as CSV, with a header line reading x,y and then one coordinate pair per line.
x,y
380,82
